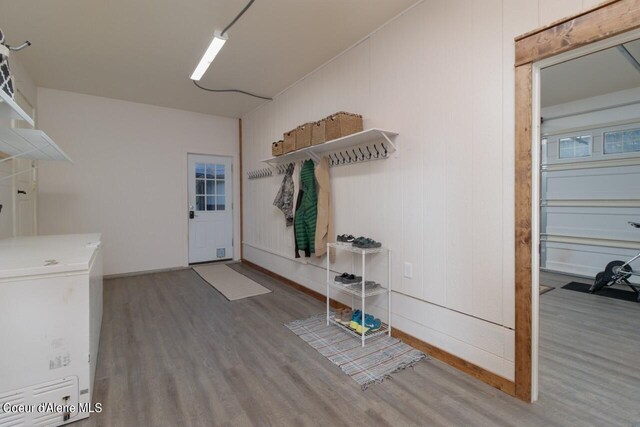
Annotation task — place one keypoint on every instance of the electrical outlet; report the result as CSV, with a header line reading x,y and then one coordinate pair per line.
x,y
408,270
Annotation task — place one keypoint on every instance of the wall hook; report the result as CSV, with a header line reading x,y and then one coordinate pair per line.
x,y
375,147
386,153
343,159
369,151
361,153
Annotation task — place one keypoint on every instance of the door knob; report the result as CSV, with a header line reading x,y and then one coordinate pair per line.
x,y
22,192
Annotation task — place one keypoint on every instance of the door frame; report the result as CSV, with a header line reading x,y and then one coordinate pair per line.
x,y
606,25
233,204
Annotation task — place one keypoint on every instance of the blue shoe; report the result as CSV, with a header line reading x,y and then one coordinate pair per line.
x,y
356,319
373,324
370,324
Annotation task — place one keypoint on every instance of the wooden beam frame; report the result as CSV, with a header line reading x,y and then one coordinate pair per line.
x,y
241,187
606,20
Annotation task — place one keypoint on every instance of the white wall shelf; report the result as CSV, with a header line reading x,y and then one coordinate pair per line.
x,y
10,110
315,152
29,144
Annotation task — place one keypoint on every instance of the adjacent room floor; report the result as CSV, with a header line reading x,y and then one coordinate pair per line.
x,y
175,352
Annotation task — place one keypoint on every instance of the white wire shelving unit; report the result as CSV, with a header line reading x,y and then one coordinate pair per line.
x,y
359,290
10,110
24,143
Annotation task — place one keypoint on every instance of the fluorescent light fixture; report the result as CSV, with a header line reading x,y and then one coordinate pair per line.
x,y
208,57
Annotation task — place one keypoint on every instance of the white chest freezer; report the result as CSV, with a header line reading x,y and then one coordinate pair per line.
x,y
50,319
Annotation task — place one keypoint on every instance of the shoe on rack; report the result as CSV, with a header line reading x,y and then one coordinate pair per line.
x,y
356,317
356,242
351,279
366,243
341,277
345,238
370,324
345,317
372,286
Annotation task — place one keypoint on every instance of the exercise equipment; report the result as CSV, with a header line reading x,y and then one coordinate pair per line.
x,y
618,273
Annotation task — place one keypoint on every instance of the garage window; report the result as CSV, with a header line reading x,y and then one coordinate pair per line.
x,y
575,146
622,141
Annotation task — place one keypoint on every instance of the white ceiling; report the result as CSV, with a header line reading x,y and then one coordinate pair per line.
x,y
600,73
145,50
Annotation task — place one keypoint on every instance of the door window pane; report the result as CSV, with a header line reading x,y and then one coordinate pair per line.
x,y
199,186
199,170
210,187
220,188
622,141
220,171
210,171
200,203
211,203
220,203
575,146
631,141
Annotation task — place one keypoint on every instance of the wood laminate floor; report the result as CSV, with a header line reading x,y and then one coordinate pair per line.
x,y
174,352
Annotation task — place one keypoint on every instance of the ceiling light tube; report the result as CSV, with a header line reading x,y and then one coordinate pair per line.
x,y
208,57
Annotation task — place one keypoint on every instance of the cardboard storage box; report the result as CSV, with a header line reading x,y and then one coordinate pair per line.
x,y
342,124
289,142
303,136
318,132
276,148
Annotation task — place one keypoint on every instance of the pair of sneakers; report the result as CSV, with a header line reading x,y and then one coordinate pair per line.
x,y
366,243
370,323
347,278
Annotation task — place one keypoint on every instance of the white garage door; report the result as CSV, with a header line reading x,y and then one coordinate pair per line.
x,y
590,190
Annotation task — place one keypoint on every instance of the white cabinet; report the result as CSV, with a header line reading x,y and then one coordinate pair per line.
x,y
50,320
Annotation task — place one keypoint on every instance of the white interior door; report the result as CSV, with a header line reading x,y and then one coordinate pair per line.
x,y
210,208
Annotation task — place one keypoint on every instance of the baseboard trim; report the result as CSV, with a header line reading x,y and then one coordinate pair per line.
x,y
140,273
465,366
297,286
165,270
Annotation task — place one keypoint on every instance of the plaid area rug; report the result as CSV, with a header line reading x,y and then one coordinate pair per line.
x,y
377,360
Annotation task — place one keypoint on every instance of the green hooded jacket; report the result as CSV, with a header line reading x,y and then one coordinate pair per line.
x,y
307,214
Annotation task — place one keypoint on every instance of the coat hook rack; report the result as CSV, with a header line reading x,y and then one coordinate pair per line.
x,y
283,168
364,146
260,173
386,153
359,154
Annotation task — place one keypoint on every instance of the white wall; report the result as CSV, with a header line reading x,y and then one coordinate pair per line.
x,y
128,179
442,76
